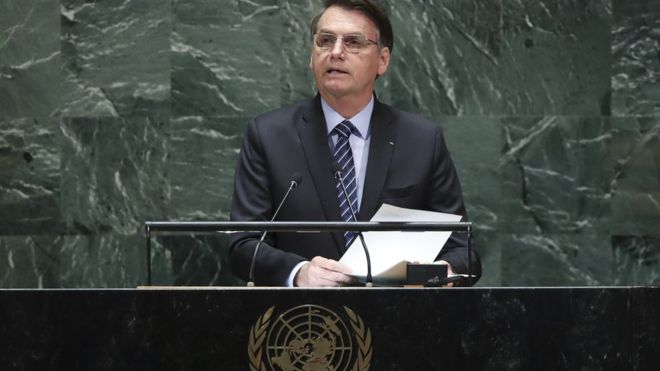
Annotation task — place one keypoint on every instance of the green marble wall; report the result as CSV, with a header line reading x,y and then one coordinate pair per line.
x,y
115,112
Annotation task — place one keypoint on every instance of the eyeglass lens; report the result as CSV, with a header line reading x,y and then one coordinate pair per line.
x,y
352,43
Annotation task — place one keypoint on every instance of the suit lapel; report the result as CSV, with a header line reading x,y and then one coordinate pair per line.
x,y
381,148
314,139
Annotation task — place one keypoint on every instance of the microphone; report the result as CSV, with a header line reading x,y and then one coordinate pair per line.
x,y
336,170
295,181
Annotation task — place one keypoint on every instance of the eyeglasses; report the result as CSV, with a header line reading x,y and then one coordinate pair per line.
x,y
353,43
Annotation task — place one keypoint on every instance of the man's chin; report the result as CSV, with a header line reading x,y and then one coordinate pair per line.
x,y
334,93
336,83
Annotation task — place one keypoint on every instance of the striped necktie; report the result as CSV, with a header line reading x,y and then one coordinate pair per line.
x,y
344,157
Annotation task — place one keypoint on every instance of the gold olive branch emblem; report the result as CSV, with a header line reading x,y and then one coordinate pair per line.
x,y
259,330
363,339
257,337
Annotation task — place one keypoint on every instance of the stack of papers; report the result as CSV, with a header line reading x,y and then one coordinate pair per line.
x,y
391,251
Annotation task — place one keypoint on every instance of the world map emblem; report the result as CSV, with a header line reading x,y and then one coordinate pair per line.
x,y
309,338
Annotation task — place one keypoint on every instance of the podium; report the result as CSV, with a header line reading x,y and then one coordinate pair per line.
x,y
346,329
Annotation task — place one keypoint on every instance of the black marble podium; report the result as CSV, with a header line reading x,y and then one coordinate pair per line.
x,y
347,328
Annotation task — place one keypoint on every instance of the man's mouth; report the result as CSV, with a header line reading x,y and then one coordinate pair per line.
x,y
335,71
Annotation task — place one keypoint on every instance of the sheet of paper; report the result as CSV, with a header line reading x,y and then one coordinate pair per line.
x,y
390,251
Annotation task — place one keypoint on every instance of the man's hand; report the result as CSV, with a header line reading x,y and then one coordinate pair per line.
x,y
450,272
323,272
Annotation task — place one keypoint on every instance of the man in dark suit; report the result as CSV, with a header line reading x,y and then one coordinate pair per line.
x,y
386,156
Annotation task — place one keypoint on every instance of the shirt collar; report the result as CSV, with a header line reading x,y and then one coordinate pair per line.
x,y
360,120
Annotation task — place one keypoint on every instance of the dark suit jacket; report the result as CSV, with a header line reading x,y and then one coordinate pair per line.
x,y
409,166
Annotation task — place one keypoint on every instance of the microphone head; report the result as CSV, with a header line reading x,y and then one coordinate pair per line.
x,y
336,169
296,178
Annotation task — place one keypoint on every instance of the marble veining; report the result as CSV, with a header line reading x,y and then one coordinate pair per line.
x,y
635,58
116,57
116,112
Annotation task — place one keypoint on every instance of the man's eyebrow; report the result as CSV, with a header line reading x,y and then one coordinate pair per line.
x,y
356,33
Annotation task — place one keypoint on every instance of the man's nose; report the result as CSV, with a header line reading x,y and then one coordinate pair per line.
x,y
338,49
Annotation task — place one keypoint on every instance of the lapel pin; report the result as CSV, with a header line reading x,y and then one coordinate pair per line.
x,y
391,143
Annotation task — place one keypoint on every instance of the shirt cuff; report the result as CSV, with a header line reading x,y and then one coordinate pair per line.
x,y
294,271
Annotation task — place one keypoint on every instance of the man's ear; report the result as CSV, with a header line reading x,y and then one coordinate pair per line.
x,y
383,60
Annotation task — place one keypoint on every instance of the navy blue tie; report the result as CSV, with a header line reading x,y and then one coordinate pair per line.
x,y
344,157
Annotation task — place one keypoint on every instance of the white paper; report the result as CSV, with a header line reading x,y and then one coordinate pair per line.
x,y
390,251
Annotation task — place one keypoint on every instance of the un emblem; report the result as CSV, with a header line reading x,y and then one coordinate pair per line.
x,y
309,338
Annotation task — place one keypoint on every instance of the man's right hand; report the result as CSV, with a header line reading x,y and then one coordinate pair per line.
x,y
323,272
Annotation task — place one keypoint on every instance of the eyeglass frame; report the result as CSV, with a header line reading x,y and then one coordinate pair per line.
x,y
337,37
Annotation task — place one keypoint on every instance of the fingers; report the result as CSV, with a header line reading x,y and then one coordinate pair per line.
x,y
323,272
450,271
331,265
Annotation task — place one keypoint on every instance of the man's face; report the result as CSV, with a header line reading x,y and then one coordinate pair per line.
x,y
340,73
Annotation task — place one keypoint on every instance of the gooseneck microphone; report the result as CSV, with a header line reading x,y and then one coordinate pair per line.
x,y
295,181
336,170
